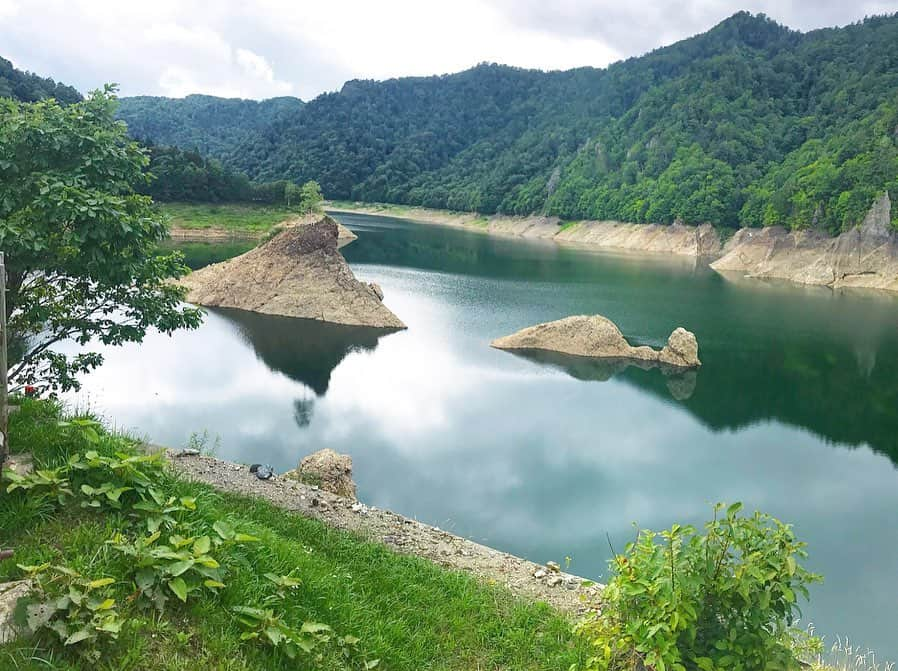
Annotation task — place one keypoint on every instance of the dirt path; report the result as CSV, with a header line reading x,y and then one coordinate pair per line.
x,y
524,578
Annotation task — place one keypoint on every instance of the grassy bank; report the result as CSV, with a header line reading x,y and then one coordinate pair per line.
x,y
406,612
237,218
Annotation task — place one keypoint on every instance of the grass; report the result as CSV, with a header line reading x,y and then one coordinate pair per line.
x,y
409,613
567,224
234,217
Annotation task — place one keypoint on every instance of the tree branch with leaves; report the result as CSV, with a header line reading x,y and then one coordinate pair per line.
x,y
81,245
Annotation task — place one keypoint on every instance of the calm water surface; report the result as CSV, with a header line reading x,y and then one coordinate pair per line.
x,y
794,412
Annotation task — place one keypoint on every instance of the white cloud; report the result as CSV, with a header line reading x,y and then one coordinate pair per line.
x,y
8,9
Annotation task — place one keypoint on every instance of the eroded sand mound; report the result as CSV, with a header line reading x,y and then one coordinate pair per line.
x,y
298,273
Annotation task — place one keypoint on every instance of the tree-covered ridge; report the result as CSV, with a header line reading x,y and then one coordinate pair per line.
x,y
750,123
202,123
28,87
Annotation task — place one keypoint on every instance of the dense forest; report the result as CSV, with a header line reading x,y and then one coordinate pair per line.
x,y
28,87
179,174
750,123
205,124
187,176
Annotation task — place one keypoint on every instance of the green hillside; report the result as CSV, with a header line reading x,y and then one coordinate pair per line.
x,y
749,123
28,87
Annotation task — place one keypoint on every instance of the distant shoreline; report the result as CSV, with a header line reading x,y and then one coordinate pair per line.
x,y
865,257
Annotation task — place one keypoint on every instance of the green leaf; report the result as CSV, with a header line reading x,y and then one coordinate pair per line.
x,y
145,578
274,635
78,636
179,588
102,582
202,545
246,538
179,567
314,628
224,530
733,509
790,565
213,584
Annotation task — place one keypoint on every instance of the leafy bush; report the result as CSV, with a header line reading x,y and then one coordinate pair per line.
x,y
83,610
724,599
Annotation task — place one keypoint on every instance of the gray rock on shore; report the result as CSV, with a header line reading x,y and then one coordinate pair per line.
x,y
327,469
598,337
298,273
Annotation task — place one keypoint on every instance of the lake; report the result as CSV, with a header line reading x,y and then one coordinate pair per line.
x,y
794,412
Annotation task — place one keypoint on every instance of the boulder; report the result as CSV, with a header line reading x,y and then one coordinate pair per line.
x,y
376,290
598,337
327,469
297,273
10,593
681,350
592,336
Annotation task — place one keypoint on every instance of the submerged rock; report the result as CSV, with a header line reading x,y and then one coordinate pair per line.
x,y
328,469
598,337
298,273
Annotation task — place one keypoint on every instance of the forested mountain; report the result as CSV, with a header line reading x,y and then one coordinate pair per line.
x,y
28,87
209,125
749,123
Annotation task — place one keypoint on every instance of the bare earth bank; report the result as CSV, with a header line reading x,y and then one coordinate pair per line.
x,y
523,578
865,257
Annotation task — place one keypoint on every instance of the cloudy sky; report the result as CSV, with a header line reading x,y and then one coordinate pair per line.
x,y
265,48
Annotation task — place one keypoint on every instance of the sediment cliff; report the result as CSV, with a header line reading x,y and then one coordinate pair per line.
x,y
866,256
298,273
679,239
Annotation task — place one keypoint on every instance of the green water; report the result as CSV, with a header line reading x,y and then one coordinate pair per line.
x,y
795,410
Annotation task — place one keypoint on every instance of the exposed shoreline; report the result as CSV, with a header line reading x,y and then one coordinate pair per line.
x,y
676,239
865,257
566,592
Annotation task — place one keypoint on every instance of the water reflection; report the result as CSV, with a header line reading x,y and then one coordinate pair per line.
x,y
680,383
305,350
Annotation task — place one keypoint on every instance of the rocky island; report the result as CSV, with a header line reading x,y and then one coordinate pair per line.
x,y
297,273
598,337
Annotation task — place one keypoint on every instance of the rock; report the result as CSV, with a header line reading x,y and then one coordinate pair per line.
x,y
681,350
598,337
21,463
327,469
297,273
593,336
263,471
375,288
555,581
539,574
865,256
553,566
10,593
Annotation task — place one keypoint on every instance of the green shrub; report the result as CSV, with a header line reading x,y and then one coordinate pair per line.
x,y
724,599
